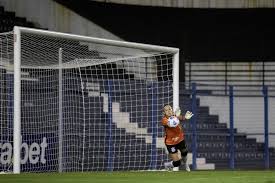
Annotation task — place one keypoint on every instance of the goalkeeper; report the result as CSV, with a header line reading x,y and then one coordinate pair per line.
x,y
174,136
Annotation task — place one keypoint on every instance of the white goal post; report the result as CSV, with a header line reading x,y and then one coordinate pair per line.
x,y
81,103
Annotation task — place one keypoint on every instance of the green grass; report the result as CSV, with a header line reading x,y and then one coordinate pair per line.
x,y
146,177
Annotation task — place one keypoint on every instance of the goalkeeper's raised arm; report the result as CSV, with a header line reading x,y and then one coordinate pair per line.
x,y
174,136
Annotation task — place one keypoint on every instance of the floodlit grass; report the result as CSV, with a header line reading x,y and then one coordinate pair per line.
x,y
146,177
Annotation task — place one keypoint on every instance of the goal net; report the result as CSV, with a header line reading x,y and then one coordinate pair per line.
x,y
75,103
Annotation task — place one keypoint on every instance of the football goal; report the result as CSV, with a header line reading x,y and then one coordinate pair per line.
x,y
76,103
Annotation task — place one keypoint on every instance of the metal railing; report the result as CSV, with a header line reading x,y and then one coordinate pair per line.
x,y
246,115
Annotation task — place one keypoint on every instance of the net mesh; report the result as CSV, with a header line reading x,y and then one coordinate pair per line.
x,y
85,106
6,100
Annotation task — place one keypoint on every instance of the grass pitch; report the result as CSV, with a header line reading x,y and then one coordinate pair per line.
x,y
146,177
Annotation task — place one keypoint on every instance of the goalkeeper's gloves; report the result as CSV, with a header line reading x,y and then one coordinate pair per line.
x,y
177,112
188,115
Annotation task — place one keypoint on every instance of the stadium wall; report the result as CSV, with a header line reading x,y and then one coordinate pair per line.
x,y
50,15
198,3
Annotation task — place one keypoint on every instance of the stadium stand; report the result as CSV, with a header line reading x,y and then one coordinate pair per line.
x,y
8,20
213,136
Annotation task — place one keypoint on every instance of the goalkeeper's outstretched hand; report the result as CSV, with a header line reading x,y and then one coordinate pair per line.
x,y
188,115
177,112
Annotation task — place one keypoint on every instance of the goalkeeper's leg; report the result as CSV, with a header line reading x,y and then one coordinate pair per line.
x,y
173,154
184,151
176,162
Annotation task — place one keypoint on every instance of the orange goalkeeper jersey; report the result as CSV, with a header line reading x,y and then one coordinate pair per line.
x,y
172,135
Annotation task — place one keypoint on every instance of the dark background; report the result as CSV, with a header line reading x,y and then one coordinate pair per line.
x,y
201,34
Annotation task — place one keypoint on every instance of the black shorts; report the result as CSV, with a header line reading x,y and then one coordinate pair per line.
x,y
174,148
